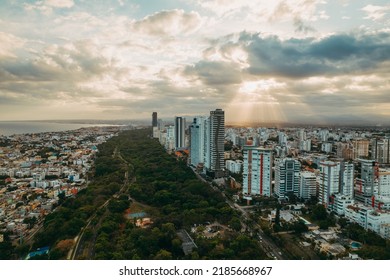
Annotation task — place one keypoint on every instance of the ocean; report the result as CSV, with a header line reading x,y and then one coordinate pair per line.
x,y
8,128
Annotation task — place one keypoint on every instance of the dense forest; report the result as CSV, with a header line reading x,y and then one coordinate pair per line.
x,y
133,169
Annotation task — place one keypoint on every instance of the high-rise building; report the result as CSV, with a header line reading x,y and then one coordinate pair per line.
x,y
360,148
367,181
216,141
384,182
328,181
307,188
287,177
326,147
344,150
170,138
380,150
180,128
346,179
282,138
257,173
197,141
206,141
154,119
305,145
302,135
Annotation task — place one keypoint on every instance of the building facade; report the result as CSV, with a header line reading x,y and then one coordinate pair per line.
x,y
197,141
216,142
287,177
180,128
154,119
328,181
307,185
257,173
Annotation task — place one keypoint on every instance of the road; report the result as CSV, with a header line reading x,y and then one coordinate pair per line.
x,y
271,249
74,251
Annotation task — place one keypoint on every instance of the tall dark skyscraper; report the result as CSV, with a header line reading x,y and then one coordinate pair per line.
x,y
180,127
217,138
154,119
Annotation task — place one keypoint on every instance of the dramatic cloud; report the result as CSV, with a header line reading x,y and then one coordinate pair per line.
x,y
333,55
169,23
260,60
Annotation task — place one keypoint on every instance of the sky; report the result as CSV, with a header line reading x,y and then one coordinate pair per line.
x,y
287,61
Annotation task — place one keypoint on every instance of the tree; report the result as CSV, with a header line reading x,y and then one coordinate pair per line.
x,y
235,224
6,248
319,212
299,227
163,255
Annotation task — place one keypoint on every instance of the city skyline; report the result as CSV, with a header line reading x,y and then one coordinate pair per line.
x,y
319,62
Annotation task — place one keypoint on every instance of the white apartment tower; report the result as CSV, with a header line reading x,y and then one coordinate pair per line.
x,y
257,175
384,182
197,136
307,187
328,181
346,179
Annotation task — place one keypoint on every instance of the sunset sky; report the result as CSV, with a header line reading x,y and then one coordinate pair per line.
x,y
325,61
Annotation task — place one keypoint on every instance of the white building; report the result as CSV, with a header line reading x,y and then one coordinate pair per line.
x,y
197,145
384,182
346,178
257,175
326,147
170,140
340,203
307,187
328,181
305,145
234,166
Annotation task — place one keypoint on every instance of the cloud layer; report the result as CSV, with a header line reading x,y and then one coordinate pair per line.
x,y
259,60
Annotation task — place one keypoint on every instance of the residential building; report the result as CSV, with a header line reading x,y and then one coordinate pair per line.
x,y
340,203
287,177
180,127
384,182
257,174
307,184
234,166
367,182
380,150
328,181
326,147
197,145
346,178
360,148
216,142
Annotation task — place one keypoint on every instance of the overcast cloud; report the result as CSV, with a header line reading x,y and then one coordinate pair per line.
x,y
262,61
